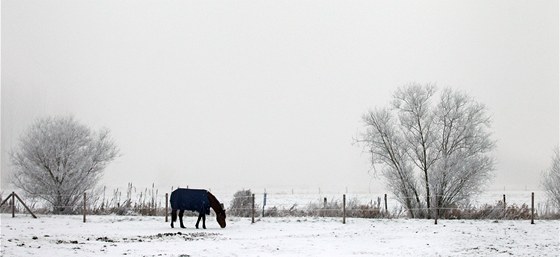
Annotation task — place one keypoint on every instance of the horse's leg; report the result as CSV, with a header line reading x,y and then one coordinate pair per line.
x,y
173,217
198,220
181,218
204,221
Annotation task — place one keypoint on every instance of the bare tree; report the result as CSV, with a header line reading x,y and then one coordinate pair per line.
x,y
430,152
463,162
58,159
388,149
417,124
551,179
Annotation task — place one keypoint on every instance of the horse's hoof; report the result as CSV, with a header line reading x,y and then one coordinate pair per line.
x,y
172,225
183,226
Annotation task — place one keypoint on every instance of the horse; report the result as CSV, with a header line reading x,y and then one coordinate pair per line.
x,y
197,200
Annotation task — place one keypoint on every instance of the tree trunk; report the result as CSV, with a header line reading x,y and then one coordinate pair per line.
x,y
427,193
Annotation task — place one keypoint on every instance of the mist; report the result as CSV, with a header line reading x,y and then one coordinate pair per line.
x,y
270,94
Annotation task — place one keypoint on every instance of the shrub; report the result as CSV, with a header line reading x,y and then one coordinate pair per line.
x,y
241,205
488,211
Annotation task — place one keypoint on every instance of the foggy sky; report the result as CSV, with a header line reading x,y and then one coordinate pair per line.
x,y
261,94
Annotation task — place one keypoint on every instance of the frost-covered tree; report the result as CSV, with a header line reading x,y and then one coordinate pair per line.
x,y
551,179
463,144
241,204
387,148
416,122
58,159
431,150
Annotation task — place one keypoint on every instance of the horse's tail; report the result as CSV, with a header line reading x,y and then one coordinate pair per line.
x,y
174,206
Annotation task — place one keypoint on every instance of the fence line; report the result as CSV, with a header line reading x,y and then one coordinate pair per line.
x,y
324,208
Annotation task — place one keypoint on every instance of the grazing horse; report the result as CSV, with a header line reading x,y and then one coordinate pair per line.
x,y
198,200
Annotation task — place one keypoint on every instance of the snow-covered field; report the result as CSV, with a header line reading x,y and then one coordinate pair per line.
x,y
150,236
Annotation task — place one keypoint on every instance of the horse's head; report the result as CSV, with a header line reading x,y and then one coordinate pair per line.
x,y
221,218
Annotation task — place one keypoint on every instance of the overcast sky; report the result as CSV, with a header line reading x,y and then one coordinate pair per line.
x,y
268,94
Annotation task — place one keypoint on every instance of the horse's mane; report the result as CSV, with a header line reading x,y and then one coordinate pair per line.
x,y
214,203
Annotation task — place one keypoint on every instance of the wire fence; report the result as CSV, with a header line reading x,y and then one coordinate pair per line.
x,y
131,201
244,203
391,207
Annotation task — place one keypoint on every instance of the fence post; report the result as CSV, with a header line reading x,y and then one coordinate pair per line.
x,y
5,200
85,211
386,211
166,206
24,205
264,204
253,209
532,207
436,210
13,205
505,206
324,212
344,209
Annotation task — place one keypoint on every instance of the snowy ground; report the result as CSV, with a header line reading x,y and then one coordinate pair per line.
x,y
151,236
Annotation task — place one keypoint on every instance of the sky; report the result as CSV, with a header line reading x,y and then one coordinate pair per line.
x,y
270,94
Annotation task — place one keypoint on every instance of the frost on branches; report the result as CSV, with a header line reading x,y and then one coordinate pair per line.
x,y
433,150
551,179
58,159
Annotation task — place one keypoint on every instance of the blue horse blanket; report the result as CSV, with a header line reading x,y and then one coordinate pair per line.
x,y
191,200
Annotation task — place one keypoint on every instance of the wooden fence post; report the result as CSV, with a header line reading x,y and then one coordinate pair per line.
x,y
505,206
264,204
436,210
13,204
253,209
5,200
324,211
344,209
85,210
386,211
24,205
533,208
166,206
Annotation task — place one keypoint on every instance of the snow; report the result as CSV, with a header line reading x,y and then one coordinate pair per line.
x,y
312,236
